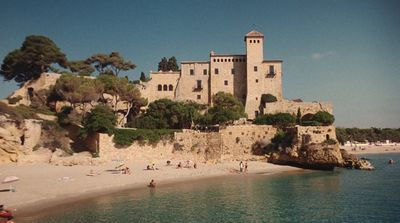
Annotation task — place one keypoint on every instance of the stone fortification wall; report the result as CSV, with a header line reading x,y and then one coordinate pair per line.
x,y
314,134
292,106
238,140
230,143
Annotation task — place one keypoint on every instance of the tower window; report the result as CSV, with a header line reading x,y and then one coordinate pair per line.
x,y
165,87
159,87
215,60
271,69
255,68
216,71
256,80
198,84
244,60
226,83
226,60
205,71
229,60
233,71
198,97
258,41
240,60
170,87
191,72
251,41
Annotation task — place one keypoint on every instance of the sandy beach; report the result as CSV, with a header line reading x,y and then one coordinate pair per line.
x,y
42,185
372,149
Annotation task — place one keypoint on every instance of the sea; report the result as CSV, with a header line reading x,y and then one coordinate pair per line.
x,y
341,195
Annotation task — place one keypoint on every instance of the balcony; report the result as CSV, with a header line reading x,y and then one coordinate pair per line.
x,y
270,74
198,88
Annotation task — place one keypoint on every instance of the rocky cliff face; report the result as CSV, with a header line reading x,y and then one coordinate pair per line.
x,y
11,136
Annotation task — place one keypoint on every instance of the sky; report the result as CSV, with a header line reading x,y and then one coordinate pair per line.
x,y
343,51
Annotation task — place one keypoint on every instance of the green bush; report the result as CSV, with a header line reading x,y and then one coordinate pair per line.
x,y
329,142
126,137
14,100
26,112
267,98
101,119
310,123
278,119
324,117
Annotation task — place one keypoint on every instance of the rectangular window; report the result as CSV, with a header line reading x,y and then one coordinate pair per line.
x,y
233,71
256,80
198,96
205,71
226,83
198,84
271,69
216,71
255,68
191,72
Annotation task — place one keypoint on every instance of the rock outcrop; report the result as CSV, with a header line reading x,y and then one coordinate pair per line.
x,y
11,132
313,156
352,161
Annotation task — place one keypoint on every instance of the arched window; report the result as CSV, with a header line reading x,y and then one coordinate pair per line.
x,y
171,88
251,41
159,87
165,88
258,41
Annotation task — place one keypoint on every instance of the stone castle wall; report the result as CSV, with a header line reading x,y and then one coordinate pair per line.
x,y
292,107
314,134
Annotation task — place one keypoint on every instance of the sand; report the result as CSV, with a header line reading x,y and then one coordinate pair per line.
x,y
372,149
45,184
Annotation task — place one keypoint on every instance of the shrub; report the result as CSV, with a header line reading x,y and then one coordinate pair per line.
x,y
26,112
100,119
14,100
267,98
126,137
324,117
278,119
329,142
310,123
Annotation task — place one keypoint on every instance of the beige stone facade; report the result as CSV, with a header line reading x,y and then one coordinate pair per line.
x,y
246,76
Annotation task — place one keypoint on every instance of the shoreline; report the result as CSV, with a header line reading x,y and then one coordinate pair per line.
x,y
362,150
43,186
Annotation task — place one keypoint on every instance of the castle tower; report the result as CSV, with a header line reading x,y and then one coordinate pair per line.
x,y
254,59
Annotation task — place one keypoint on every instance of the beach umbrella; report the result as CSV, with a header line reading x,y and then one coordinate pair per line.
x,y
10,179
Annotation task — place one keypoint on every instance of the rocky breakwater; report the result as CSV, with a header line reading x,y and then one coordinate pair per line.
x,y
352,161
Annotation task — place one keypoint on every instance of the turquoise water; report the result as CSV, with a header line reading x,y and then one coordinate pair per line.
x,y
312,196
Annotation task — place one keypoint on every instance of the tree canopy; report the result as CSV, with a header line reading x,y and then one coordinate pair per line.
x,y
100,119
80,67
168,114
35,56
168,64
110,64
225,108
278,119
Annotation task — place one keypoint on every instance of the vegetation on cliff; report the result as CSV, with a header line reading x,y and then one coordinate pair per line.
x,y
36,55
278,119
126,137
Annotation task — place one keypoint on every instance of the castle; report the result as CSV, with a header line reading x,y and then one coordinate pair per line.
x,y
246,76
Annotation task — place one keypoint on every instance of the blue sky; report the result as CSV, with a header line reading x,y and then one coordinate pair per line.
x,y
346,52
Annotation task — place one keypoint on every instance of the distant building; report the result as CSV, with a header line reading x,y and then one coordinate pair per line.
x,y
246,76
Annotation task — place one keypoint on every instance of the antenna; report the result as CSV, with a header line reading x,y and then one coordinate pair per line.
x,y
253,27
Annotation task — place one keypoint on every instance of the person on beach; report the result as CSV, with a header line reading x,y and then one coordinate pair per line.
x,y
126,170
241,166
179,165
152,184
245,167
195,165
168,162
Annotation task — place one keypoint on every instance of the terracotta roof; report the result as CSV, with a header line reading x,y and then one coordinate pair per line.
x,y
254,33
